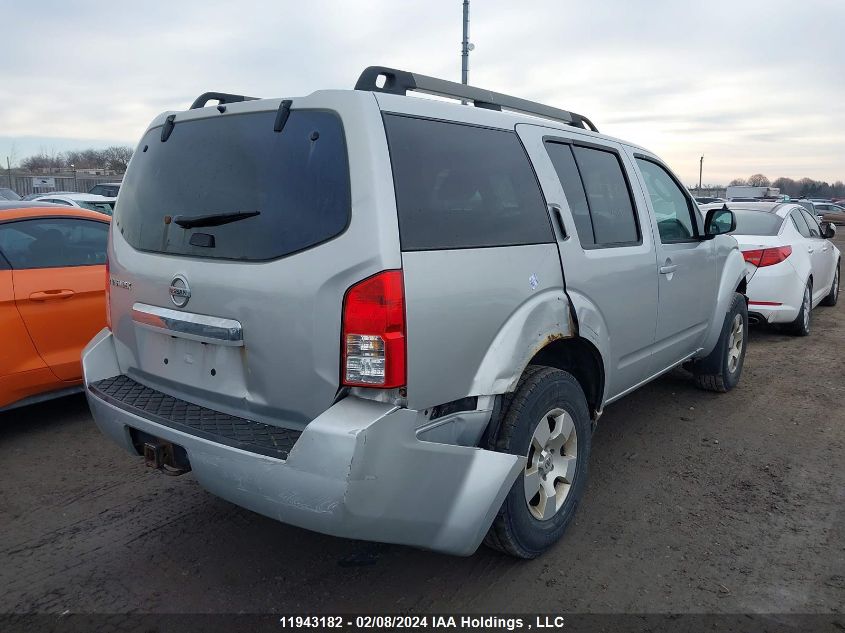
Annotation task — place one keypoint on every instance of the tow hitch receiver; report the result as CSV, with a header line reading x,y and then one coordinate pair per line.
x,y
166,457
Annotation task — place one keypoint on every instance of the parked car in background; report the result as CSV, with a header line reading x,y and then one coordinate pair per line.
x,y
83,200
33,196
791,265
107,189
52,287
434,379
707,199
829,212
809,205
8,194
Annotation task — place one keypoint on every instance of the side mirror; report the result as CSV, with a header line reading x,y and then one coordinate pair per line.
x,y
719,222
828,230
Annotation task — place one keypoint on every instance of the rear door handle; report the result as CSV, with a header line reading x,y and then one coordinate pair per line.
x,y
669,268
46,295
558,216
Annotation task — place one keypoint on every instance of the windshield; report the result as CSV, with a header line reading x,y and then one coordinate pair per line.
x,y
297,180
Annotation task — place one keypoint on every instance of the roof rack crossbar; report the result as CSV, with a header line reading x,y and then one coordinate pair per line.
x,y
400,82
220,97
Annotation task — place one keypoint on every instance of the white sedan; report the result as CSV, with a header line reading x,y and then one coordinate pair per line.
x,y
791,265
84,200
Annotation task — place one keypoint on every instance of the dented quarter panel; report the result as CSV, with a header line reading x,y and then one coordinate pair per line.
x,y
475,317
541,320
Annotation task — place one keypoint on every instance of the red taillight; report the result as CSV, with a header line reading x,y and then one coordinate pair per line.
x,y
108,294
373,344
767,256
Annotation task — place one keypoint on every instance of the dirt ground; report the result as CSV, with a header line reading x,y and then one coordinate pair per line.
x,y
697,502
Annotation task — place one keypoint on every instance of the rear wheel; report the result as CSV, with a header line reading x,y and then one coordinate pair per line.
x,y
801,325
833,296
547,421
721,369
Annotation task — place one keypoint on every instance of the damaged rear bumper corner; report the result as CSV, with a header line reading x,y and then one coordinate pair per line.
x,y
357,471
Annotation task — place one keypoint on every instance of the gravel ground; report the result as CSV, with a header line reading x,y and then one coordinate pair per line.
x,y
697,502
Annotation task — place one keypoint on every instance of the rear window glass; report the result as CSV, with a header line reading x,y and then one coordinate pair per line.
x,y
460,186
757,222
297,180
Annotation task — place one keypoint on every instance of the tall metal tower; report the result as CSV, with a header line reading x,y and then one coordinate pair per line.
x,y
466,47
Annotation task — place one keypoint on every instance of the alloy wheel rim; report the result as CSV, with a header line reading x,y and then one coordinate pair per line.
x,y
735,343
550,469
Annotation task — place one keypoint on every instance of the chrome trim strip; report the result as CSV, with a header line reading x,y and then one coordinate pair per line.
x,y
197,327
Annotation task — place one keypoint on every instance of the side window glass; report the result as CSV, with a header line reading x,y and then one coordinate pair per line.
x,y
815,231
461,186
800,223
608,197
672,208
54,243
573,188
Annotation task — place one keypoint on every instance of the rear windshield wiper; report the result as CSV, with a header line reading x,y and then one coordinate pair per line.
x,y
215,219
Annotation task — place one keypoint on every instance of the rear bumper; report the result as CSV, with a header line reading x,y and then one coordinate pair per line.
x,y
357,471
775,293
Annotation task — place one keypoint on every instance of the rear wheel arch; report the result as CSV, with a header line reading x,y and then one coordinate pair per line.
x,y
583,360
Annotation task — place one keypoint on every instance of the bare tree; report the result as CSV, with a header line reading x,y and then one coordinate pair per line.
x,y
117,157
737,181
759,180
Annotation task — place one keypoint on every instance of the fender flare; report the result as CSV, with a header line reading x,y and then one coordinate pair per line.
x,y
733,274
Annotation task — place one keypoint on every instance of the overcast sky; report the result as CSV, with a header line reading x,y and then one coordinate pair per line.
x,y
755,86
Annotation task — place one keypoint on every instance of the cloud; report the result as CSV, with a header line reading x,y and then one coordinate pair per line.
x,y
754,86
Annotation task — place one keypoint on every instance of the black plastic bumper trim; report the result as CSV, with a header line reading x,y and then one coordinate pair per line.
x,y
221,428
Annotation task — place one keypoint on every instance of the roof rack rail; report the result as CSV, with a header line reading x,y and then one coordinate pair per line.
x,y
221,97
399,82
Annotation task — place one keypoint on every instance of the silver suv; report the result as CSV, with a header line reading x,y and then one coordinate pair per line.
x,y
399,319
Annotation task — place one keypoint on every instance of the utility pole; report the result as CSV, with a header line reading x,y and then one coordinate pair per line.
x,y
466,47
9,172
700,171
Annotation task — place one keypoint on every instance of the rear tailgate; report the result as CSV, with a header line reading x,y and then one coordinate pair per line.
x,y
252,326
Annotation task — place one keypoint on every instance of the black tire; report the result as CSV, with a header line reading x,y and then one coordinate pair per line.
x,y
515,530
801,325
833,295
717,371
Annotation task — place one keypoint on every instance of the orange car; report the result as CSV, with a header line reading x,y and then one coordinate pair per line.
x,y
52,297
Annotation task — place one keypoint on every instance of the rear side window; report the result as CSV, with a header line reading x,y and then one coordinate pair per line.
x,y
800,223
570,180
297,180
460,186
815,231
54,242
597,193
